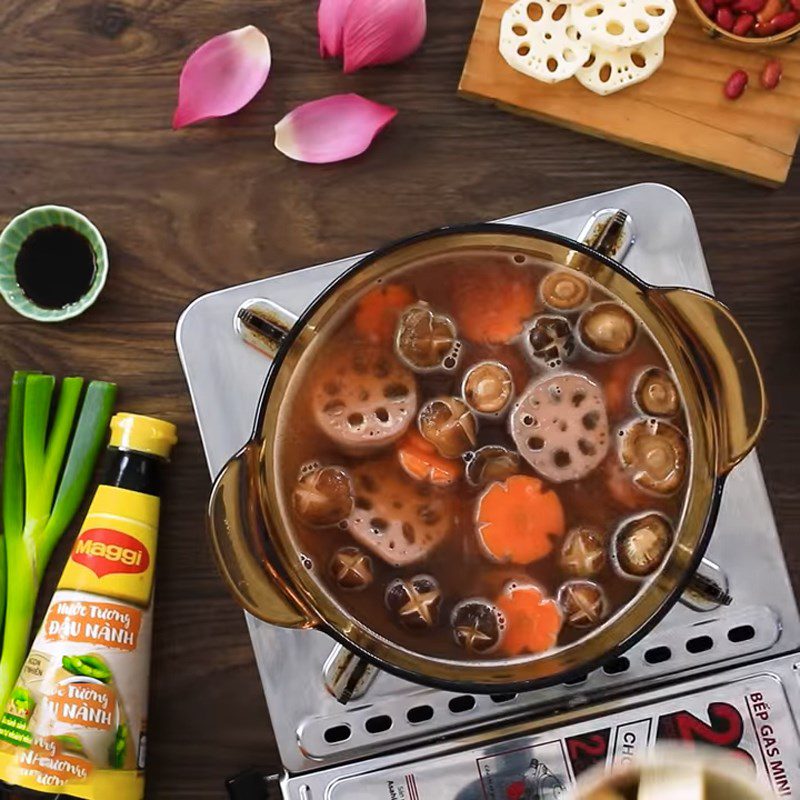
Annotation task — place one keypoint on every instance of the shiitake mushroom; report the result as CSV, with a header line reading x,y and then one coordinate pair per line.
x,y
564,291
607,328
642,543
414,601
425,340
490,463
550,340
488,387
351,569
583,553
449,425
656,455
478,625
656,393
583,603
323,496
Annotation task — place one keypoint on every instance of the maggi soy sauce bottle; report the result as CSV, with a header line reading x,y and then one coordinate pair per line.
x,y
76,723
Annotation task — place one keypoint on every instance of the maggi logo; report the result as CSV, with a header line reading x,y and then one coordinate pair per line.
x,y
105,551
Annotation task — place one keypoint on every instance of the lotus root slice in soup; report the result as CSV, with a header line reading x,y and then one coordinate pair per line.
x,y
429,452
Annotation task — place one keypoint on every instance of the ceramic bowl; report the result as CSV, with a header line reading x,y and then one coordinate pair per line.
x,y
19,229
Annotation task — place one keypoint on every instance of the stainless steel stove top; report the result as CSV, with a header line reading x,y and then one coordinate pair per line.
x,y
312,729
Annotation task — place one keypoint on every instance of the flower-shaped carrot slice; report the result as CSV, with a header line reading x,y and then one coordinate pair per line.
x,y
379,310
533,620
420,460
519,519
493,310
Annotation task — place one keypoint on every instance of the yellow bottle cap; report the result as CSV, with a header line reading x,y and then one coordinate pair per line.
x,y
143,434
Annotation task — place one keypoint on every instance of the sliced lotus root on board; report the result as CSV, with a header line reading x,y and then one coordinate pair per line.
x,y
538,39
399,520
613,24
608,71
363,399
560,426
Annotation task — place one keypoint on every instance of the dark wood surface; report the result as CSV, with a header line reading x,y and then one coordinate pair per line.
x,y
87,89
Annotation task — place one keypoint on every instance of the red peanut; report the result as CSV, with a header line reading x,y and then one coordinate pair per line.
x,y
735,84
749,6
743,24
771,74
771,8
725,18
785,20
764,29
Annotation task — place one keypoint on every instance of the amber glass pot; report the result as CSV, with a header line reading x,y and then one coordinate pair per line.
x,y
725,408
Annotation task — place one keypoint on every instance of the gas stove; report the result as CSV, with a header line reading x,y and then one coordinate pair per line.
x,y
715,669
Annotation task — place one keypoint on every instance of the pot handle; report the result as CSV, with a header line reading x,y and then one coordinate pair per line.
x,y
238,539
714,340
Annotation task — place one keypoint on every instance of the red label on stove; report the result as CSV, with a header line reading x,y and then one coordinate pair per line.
x,y
588,749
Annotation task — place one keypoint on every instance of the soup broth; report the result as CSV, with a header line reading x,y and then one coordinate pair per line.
x,y
484,457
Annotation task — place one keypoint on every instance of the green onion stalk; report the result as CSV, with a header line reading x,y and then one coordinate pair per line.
x,y
39,499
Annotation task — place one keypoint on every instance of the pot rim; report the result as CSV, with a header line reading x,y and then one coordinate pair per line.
x,y
467,685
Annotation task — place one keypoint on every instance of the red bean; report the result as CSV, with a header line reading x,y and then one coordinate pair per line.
x,y
749,6
709,7
735,84
744,24
785,20
765,28
795,4
725,18
771,74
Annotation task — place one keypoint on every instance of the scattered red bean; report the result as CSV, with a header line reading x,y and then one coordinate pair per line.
x,y
736,84
785,20
771,74
725,18
743,24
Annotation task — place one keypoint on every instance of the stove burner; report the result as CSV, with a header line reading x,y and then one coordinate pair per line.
x,y
301,674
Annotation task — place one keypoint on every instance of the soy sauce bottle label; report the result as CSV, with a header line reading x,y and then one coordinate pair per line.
x,y
114,554
76,720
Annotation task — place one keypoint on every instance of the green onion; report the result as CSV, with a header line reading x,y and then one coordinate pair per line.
x,y
34,459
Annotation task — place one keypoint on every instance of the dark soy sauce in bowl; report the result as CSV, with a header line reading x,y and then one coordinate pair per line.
x,y
55,266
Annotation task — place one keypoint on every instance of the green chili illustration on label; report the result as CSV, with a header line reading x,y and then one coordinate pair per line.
x,y
71,743
23,702
88,667
116,755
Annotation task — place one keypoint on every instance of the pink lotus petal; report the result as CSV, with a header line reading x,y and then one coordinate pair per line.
x,y
330,19
222,76
382,31
331,129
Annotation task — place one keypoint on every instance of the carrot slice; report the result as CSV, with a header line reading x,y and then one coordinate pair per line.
x,y
492,307
533,621
379,309
421,461
519,519
618,385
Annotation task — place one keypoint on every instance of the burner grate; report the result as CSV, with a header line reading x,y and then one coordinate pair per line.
x,y
386,721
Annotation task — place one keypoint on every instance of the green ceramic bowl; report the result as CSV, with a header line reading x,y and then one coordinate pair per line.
x,y
15,234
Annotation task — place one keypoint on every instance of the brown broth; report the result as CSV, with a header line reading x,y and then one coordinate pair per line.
x,y
458,563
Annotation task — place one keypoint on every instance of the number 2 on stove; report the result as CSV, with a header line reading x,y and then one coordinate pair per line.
x,y
724,728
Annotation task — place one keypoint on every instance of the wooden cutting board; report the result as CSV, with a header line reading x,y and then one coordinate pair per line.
x,y
680,112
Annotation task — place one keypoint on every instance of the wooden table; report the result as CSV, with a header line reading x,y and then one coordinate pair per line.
x,y
87,89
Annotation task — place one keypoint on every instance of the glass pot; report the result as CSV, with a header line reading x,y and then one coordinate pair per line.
x,y
725,407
